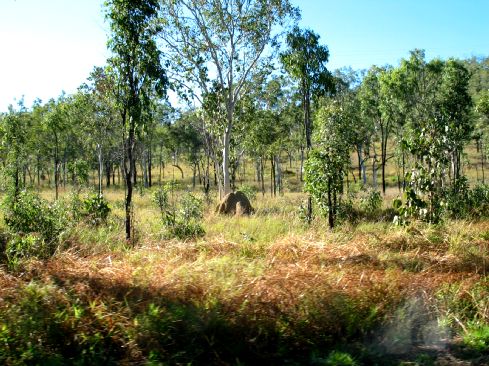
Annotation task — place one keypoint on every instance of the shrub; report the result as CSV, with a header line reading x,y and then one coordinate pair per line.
x,y
479,199
29,213
371,201
21,247
96,209
183,219
337,358
35,226
457,199
477,336
249,191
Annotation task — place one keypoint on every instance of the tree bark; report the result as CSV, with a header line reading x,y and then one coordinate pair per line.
x,y
225,162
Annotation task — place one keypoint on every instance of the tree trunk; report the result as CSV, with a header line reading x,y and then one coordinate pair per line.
x,y
482,164
108,172
302,164
38,171
374,171
129,172
383,153
56,163
359,156
134,170
100,169
150,166
226,188
272,177
278,174
144,167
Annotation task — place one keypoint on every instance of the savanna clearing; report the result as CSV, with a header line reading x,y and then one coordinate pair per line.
x,y
264,289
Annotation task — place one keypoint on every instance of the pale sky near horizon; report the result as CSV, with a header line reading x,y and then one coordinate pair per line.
x,y
52,45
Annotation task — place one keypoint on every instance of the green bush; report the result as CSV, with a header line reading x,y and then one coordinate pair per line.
x,y
337,358
34,225
479,199
22,247
96,209
181,219
457,200
249,191
29,213
477,336
371,201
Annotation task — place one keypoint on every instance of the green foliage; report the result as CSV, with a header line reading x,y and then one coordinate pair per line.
x,y
181,219
46,327
457,201
79,169
412,207
305,60
161,198
326,164
479,201
249,191
323,175
96,209
477,336
21,247
436,130
337,358
29,213
371,201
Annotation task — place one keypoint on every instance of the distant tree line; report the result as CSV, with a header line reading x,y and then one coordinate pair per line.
x,y
258,97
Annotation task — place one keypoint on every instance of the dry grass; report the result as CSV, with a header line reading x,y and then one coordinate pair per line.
x,y
265,282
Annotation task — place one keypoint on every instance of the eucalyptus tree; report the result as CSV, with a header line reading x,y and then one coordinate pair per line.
x,y
138,75
220,46
95,109
328,162
482,106
371,99
40,148
15,132
56,124
305,61
454,104
361,130
436,105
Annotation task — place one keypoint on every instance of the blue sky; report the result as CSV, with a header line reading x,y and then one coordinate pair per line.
x,y
361,33
52,45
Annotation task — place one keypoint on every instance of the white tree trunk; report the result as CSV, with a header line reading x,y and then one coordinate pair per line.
x,y
225,161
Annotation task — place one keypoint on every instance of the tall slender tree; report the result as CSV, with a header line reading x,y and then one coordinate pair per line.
x,y
305,61
138,74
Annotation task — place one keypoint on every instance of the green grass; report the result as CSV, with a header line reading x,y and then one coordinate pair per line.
x,y
264,289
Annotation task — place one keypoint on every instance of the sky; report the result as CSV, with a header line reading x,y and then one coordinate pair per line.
x,y
50,46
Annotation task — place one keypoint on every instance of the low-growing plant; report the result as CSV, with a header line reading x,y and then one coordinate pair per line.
x,y
96,209
29,213
20,247
457,200
371,201
337,358
479,199
476,336
466,308
181,219
249,191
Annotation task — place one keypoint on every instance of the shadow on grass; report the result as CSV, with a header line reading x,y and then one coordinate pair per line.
x,y
63,317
